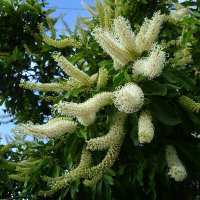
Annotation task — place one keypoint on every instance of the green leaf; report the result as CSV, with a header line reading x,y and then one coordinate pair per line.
x,y
190,20
108,179
172,90
46,48
127,76
195,117
187,82
74,59
7,166
154,88
118,79
15,52
111,117
108,192
164,112
105,63
187,35
82,133
139,174
64,193
56,171
74,188
177,76
1,191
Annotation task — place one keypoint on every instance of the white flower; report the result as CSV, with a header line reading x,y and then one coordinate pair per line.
x,y
177,170
145,127
151,66
129,98
85,112
53,128
179,14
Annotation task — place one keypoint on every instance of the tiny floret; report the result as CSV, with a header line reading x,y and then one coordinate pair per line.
x,y
129,98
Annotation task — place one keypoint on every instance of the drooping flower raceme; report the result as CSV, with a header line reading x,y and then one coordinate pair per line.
x,y
85,112
113,135
145,127
129,98
53,128
176,168
79,172
189,103
152,66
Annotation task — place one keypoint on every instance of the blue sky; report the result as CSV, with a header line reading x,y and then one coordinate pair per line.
x,y
72,9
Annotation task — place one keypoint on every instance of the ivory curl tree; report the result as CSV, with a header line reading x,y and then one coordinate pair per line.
x,y
125,121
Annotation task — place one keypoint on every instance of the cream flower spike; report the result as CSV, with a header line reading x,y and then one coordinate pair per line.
x,y
177,170
85,112
103,78
129,98
58,43
63,181
126,35
152,66
114,135
145,127
89,9
179,13
71,70
45,87
112,46
149,32
189,103
53,128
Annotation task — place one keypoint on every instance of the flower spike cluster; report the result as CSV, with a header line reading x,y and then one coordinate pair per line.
x,y
112,46
63,181
122,45
24,169
177,170
125,47
84,170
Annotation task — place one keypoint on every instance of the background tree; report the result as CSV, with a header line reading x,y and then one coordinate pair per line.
x,y
159,155
24,57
